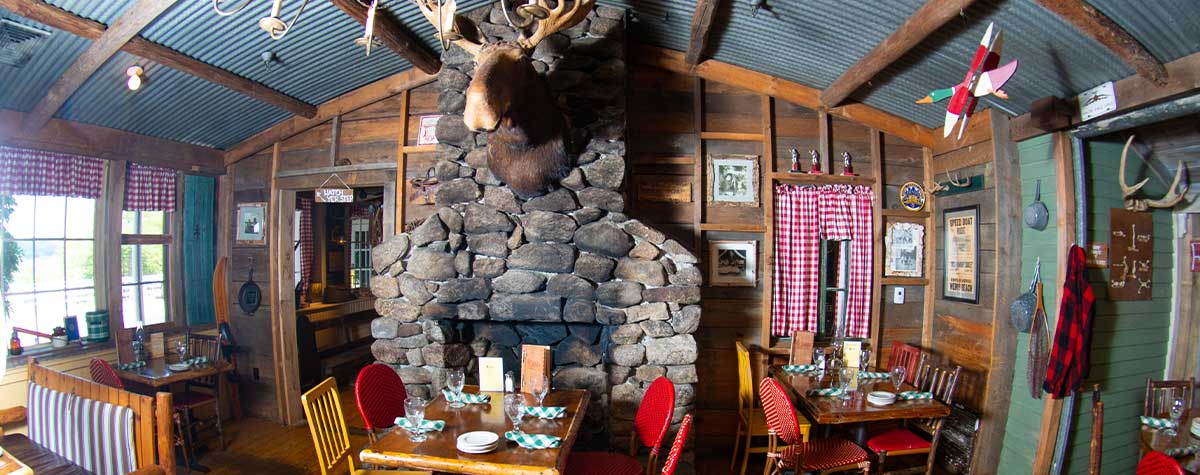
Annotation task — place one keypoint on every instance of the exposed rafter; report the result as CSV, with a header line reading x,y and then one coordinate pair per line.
x,y
916,28
1091,22
127,26
702,20
395,36
55,17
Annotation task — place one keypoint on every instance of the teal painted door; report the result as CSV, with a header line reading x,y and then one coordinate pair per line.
x,y
198,248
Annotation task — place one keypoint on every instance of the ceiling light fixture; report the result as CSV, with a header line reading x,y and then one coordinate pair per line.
x,y
272,23
135,78
368,38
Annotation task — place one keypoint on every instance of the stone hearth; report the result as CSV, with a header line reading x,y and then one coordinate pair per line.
x,y
616,299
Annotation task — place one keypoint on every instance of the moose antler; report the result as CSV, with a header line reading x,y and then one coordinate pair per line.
x,y
442,16
550,20
1174,192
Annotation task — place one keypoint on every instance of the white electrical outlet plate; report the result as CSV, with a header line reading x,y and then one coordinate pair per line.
x,y
898,295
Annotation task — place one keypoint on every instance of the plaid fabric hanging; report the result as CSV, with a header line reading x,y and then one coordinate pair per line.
x,y
149,188
305,206
797,260
35,172
861,203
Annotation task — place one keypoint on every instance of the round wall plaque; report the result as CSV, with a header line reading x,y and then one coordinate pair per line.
x,y
912,196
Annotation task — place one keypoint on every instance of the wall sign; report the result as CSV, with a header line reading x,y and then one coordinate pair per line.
x,y
333,195
1131,251
427,134
960,279
1097,101
912,196
1096,255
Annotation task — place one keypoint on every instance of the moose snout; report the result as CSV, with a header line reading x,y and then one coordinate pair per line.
x,y
479,116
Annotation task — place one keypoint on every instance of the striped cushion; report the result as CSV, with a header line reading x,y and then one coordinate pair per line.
x,y
94,435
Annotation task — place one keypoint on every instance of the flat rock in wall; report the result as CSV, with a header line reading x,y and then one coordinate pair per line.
x,y
676,350
432,265
526,307
545,257
604,239
516,281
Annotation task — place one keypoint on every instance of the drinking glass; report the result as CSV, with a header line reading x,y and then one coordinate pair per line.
x,y
454,382
844,376
819,358
514,407
898,377
181,347
414,411
864,360
542,390
1176,413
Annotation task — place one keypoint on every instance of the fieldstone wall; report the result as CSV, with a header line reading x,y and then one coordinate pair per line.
x,y
491,270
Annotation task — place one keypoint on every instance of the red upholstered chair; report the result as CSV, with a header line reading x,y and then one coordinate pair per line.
x,y
380,395
907,356
650,427
677,447
905,441
1158,463
822,455
103,373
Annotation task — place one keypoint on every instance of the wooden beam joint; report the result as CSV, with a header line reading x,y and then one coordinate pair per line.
x,y
702,20
1097,26
395,36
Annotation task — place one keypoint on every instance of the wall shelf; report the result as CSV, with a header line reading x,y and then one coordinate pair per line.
x,y
736,136
904,281
904,213
807,179
734,227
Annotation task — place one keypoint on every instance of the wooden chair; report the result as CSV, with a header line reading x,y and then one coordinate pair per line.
x,y
907,356
1097,432
939,381
187,402
677,448
801,351
1158,463
379,393
650,427
751,420
821,456
327,424
1159,395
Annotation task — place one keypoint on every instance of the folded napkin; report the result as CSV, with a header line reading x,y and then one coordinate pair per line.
x,y
533,441
195,361
909,395
825,392
426,424
133,365
1157,423
873,375
466,398
799,368
545,412
1181,451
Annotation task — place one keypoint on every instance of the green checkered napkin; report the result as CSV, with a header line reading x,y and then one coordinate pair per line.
x,y
195,361
426,424
533,441
545,412
133,365
909,395
466,398
1157,423
825,392
1181,451
873,375
799,368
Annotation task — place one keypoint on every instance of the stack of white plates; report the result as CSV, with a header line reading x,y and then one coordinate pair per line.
x,y
1196,426
881,398
478,442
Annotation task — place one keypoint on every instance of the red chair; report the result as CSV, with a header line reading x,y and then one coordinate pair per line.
x,y
1158,463
650,427
380,395
823,455
677,447
103,373
903,441
907,356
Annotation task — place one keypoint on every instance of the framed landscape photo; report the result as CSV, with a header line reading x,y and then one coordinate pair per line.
x,y
252,223
733,180
905,250
733,263
960,279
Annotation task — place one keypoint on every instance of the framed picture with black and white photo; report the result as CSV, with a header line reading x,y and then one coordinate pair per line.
x,y
733,180
733,263
252,223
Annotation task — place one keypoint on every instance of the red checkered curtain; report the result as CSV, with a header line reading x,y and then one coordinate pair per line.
x,y
860,201
305,205
797,260
149,188
35,172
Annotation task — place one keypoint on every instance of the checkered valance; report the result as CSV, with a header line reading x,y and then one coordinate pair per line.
x,y
35,172
149,188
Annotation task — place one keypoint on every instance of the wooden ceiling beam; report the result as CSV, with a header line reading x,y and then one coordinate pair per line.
x,y
1096,25
127,26
702,20
915,29
55,17
396,37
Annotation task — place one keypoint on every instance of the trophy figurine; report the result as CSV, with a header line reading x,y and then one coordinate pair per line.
x,y
795,162
847,168
816,163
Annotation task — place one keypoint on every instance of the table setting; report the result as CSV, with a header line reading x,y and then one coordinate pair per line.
x,y
1168,434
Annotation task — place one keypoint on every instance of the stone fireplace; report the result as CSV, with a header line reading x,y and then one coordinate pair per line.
x,y
615,299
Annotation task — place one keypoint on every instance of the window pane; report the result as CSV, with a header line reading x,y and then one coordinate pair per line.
x,y
48,265
23,279
79,302
154,303
51,217
152,263
20,222
129,222
80,264
81,213
51,308
153,222
130,310
129,254
23,313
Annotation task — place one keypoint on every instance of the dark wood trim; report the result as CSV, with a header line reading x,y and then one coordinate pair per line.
x,y
702,21
400,196
394,35
1098,26
147,239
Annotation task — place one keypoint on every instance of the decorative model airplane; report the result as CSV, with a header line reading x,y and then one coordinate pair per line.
x,y
982,79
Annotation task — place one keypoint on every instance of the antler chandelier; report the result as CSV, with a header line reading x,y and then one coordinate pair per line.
x,y
272,23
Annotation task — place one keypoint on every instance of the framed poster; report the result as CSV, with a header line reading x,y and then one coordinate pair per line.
x,y
960,279
427,134
904,254
733,180
252,223
733,263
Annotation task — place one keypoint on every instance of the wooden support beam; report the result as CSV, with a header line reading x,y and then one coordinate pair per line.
x,y
394,36
111,144
402,163
55,17
698,169
915,29
356,99
825,141
127,26
1096,25
702,20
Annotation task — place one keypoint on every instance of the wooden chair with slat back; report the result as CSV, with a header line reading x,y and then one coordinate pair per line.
x,y
906,356
801,351
327,425
1159,395
941,381
201,392
1097,432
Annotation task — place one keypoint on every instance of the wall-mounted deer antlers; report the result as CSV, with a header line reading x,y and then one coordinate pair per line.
x,y
507,98
1174,193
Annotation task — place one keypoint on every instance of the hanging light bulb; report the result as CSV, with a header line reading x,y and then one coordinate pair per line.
x,y
368,37
135,78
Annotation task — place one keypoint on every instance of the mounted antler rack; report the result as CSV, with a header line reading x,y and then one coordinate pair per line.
x,y
955,185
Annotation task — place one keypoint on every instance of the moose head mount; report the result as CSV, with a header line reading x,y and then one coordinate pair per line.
x,y
1174,194
507,98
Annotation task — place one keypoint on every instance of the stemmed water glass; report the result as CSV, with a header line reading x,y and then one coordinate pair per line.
x,y
844,376
514,408
454,382
898,377
864,359
181,347
819,358
542,390
414,411
1176,413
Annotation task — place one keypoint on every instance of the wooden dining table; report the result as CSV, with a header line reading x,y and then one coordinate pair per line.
x,y
856,409
439,452
157,374
1160,440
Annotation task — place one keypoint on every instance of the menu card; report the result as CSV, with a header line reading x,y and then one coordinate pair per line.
x,y
158,345
535,367
491,373
851,353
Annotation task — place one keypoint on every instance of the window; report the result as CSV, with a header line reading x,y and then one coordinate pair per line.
x,y
360,253
144,267
835,266
54,274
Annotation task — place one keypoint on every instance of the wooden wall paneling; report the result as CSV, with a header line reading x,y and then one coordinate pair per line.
x,y
400,198
307,150
876,166
824,140
855,139
698,195
714,213
110,251
932,240
175,291
273,293
256,367
979,129
795,127
285,306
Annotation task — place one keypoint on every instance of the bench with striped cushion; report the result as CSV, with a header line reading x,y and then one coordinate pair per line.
x,y
94,435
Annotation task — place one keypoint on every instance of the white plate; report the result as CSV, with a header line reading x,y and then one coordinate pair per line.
x,y
178,367
881,398
478,439
476,450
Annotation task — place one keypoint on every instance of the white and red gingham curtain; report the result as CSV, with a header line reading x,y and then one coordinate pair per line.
x,y
149,188
305,205
803,215
35,172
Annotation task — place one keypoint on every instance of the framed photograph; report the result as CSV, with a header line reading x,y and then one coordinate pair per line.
x,y
733,263
960,279
733,180
427,134
904,254
252,223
